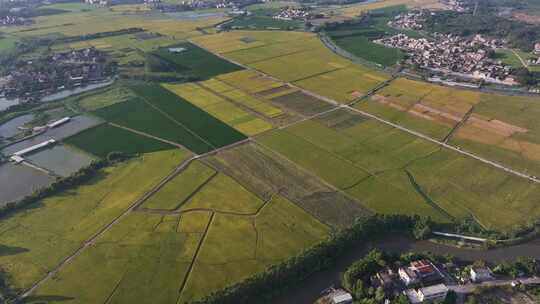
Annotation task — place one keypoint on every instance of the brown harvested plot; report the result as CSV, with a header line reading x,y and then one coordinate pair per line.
x,y
422,111
265,173
275,92
302,103
341,119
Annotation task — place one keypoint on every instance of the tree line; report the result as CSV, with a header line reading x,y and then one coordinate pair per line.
x,y
62,184
264,286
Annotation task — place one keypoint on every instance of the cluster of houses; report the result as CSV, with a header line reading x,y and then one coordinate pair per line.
x,y
31,80
293,13
98,2
11,20
454,55
536,51
412,20
456,5
421,281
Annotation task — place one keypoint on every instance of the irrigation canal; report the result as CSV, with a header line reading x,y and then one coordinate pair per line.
x,y
309,290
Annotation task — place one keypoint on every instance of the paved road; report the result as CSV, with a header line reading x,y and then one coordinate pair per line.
x,y
471,287
463,290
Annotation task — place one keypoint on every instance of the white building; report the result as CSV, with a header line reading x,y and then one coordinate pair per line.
x,y
481,274
59,122
435,293
537,48
408,276
341,297
34,148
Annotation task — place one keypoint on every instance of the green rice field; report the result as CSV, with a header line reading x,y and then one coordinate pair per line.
x,y
105,139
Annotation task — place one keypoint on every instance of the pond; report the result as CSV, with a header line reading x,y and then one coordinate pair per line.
x,y
6,103
74,126
195,15
61,160
309,291
9,128
18,181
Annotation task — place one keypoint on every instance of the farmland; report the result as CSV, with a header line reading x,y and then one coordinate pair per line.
x,y
254,242
140,116
497,127
396,175
166,256
158,112
264,172
306,62
181,188
46,236
221,107
241,152
105,139
195,60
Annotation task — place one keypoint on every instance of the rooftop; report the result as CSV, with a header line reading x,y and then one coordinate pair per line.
x,y
435,289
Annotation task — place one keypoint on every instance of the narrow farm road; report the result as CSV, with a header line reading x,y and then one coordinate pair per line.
x,y
136,204
338,105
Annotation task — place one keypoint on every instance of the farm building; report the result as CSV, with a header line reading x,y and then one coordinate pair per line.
x,y
34,147
59,122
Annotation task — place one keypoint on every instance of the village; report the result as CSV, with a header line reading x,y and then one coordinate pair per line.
x,y
293,13
426,280
13,20
464,57
33,79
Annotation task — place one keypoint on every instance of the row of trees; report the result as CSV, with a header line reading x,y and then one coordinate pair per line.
x,y
262,287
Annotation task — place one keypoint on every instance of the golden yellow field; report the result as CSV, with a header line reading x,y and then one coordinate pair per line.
x,y
345,84
220,108
250,81
225,42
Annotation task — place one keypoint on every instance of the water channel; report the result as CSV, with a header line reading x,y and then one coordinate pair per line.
x,y
309,290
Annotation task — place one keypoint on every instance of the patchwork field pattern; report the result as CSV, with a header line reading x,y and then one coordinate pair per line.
x,y
497,127
390,171
159,112
43,236
181,188
277,231
266,173
197,61
221,108
221,226
104,139
304,61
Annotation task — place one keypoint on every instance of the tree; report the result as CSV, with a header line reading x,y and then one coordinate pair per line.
x,y
358,290
379,294
401,299
451,298
422,229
